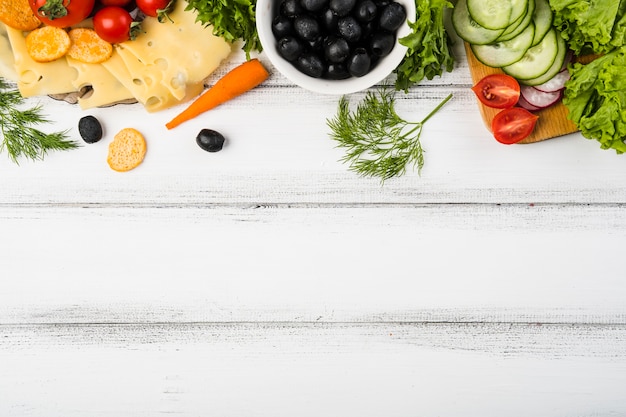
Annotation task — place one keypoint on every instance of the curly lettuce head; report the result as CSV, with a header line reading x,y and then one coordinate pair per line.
x,y
595,97
591,26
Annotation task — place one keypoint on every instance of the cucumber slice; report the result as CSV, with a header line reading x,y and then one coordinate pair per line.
x,y
556,67
523,21
505,53
542,17
496,14
537,60
468,29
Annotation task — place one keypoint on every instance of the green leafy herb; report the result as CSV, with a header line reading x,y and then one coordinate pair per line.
x,y
19,136
595,96
591,26
231,20
429,52
378,142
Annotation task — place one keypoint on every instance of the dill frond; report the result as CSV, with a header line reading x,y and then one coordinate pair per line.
x,y
377,141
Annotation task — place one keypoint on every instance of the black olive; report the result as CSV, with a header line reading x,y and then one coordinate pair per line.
x,y
392,17
290,48
311,64
307,28
336,49
359,63
342,7
90,129
313,5
382,43
210,140
291,8
368,28
337,71
282,26
316,44
349,29
365,11
329,20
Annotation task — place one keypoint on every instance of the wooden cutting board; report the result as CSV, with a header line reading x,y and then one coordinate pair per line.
x,y
553,121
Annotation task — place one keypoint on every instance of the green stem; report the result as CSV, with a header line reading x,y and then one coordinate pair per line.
x,y
436,109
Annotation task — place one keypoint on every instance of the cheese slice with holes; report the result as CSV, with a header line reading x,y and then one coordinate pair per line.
x,y
37,78
7,61
143,86
168,63
104,87
164,66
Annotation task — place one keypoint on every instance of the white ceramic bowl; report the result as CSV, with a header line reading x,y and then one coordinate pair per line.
x,y
265,12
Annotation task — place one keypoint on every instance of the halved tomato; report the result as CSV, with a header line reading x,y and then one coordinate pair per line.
x,y
499,91
513,125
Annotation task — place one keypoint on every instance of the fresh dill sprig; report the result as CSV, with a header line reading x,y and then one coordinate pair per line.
x,y
378,142
20,137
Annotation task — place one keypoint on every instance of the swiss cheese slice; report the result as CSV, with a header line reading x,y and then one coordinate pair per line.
x,y
7,61
38,78
105,87
168,62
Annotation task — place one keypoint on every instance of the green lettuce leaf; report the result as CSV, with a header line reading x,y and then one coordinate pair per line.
x,y
429,52
591,26
595,97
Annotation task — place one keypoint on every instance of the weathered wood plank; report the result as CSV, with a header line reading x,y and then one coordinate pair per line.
x,y
222,263
282,369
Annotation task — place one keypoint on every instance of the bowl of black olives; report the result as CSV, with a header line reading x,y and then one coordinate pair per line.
x,y
334,46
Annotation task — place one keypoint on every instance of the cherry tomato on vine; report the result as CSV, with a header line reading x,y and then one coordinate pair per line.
x,y
513,125
61,13
113,24
155,8
119,3
499,91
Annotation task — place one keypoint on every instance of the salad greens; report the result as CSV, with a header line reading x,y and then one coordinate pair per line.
x,y
595,96
429,52
231,20
591,26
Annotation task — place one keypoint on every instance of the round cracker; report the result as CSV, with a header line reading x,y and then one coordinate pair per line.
x,y
88,47
18,15
47,43
127,150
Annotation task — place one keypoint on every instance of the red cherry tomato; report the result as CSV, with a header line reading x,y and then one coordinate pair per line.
x,y
119,3
154,8
113,24
61,13
513,125
499,91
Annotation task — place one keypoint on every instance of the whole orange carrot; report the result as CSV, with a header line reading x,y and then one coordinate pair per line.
x,y
236,82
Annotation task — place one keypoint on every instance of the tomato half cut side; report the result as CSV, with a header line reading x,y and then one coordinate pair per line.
x,y
512,125
499,91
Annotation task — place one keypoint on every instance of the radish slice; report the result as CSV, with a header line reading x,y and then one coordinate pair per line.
x,y
538,98
523,103
556,83
568,58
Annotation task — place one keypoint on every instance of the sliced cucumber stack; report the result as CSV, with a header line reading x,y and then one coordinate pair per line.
x,y
469,30
515,35
502,53
520,24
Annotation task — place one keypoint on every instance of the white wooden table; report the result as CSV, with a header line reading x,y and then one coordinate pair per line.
x,y
268,280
